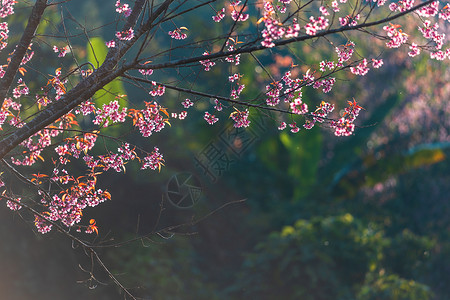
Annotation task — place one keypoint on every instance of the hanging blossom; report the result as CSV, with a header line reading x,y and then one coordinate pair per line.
x,y
232,58
237,13
178,34
218,105
207,64
361,69
414,50
61,51
319,114
294,127
157,89
344,53
298,107
209,118
345,126
220,14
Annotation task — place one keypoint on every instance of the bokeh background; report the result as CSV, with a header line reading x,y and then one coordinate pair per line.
x,y
363,217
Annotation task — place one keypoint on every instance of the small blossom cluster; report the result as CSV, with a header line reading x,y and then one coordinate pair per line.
x,y
157,89
344,53
396,37
75,146
315,25
85,108
237,13
181,115
57,84
153,161
125,35
177,34
236,92
209,118
361,69
232,58
240,118
414,50
274,30
110,113
319,114
349,20
146,72
149,120
3,35
20,89
401,6
218,105
345,126
275,89
110,44
12,205
430,32
187,103
68,208
7,8
326,84
207,64
298,107
124,8
61,51
220,14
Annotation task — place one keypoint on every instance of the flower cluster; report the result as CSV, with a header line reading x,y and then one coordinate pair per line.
x,y
240,118
396,37
315,25
3,35
298,107
61,51
150,119
157,90
187,103
207,64
7,8
125,35
210,119
220,14
345,126
124,8
232,58
349,20
430,32
110,113
153,161
111,44
237,13
274,30
178,34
